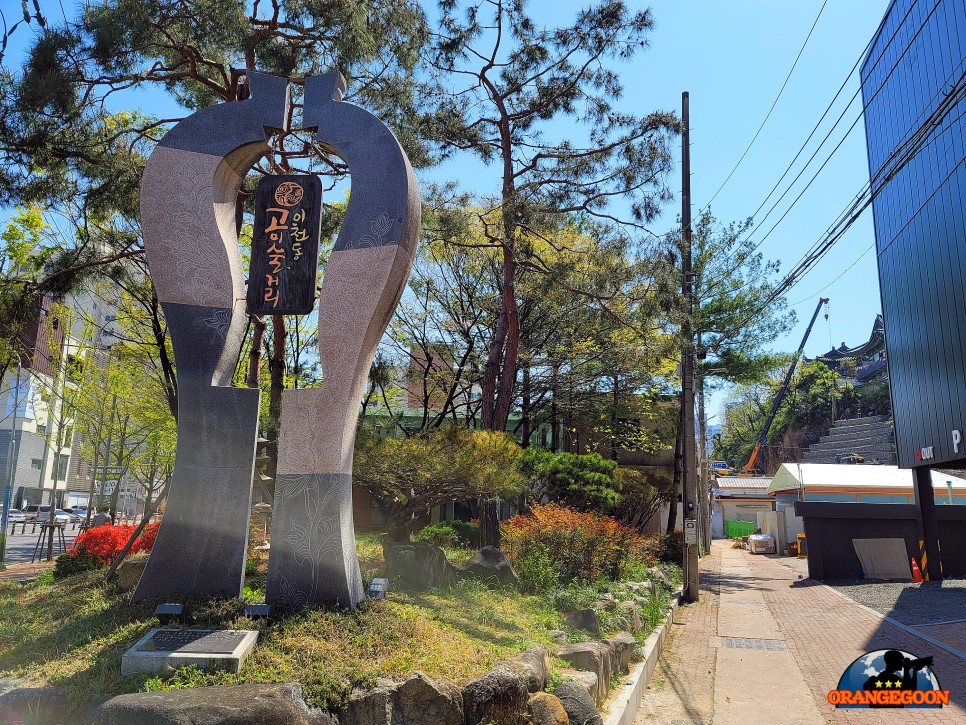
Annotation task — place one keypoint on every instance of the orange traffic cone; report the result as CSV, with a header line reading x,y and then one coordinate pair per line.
x,y
916,574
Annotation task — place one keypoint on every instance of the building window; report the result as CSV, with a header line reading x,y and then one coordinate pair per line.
x,y
36,463
41,429
61,470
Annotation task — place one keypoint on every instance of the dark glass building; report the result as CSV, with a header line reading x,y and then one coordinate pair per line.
x,y
913,87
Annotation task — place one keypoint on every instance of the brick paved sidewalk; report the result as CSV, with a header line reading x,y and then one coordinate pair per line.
x,y
826,632
706,677
21,572
682,689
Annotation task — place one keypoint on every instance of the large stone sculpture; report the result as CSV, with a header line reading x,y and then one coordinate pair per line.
x,y
313,556
188,197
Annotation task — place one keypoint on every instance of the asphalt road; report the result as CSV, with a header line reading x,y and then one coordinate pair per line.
x,y
20,547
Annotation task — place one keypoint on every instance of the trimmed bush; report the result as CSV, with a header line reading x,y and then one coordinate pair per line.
x,y
104,543
581,546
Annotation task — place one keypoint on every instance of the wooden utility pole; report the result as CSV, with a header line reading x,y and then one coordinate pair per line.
x,y
690,468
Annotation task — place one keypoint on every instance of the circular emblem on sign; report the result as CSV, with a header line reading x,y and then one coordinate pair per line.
x,y
288,193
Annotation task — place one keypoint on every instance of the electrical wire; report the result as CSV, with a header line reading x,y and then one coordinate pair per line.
x,y
866,104
768,115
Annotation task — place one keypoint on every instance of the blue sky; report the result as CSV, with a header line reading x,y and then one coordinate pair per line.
x,y
733,56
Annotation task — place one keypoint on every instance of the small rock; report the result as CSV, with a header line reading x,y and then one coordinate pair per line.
x,y
559,635
370,707
631,616
660,577
608,605
546,709
585,619
129,572
417,566
577,703
500,696
490,565
623,645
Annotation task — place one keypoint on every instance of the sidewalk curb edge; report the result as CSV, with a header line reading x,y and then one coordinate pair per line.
x,y
627,700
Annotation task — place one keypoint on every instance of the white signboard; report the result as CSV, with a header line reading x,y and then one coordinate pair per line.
x,y
691,532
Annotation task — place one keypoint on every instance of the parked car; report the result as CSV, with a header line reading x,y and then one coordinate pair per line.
x,y
16,516
73,513
60,517
81,514
32,510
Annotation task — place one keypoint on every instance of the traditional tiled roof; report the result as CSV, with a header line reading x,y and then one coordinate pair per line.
x,y
875,341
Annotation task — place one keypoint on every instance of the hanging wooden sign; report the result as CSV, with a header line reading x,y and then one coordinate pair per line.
x,y
285,246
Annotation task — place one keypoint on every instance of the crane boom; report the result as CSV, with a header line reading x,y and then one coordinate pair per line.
x,y
780,396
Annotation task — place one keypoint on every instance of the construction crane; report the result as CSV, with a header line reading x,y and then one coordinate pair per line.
x,y
749,468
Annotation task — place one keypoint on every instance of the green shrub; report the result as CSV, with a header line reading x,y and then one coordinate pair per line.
x,y
671,548
70,564
450,534
441,534
585,483
536,570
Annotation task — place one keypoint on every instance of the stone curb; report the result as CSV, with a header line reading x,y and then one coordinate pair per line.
x,y
626,701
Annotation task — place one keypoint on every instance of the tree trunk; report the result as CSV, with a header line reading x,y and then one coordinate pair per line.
x,y
276,372
704,482
489,522
672,513
525,431
255,351
615,393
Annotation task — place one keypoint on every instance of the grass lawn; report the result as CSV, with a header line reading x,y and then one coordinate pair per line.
x,y
72,632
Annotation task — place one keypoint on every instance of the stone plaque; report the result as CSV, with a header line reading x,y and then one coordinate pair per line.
x,y
285,245
193,640
165,650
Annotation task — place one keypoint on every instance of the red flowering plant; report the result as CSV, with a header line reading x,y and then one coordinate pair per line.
x,y
100,546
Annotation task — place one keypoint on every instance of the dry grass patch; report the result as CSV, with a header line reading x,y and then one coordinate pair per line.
x,y
71,633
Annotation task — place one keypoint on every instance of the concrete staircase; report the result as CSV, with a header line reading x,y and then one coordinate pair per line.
x,y
871,437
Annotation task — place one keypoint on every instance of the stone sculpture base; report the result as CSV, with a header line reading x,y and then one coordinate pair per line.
x,y
201,547
313,558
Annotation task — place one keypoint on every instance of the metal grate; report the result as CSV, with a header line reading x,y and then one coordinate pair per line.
x,y
774,645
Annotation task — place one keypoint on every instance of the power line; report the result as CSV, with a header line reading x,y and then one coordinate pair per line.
x,y
897,160
768,115
881,55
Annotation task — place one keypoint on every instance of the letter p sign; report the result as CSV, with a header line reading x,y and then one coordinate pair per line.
x,y
957,439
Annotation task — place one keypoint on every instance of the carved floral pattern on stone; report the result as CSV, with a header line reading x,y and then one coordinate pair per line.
x,y
220,322
309,509
378,230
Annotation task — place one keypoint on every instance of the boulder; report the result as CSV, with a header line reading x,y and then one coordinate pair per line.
x,y
416,699
498,697
587,680
31,705
585,619
546,709
490,565
129,572
660,577
577,703
370,707
597,657
631,616
623,645
421,699
534,666
276,704
417,566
